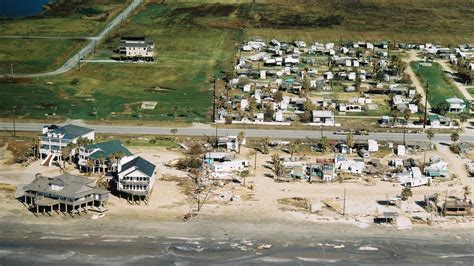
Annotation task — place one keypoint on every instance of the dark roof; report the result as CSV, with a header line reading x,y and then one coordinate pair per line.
x,y
106,149
73,186
132,38
141,164
70,131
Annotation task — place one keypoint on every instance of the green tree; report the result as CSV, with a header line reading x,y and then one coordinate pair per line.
x,y
278,167
430,135
454,137
323,143
278,96
395,113
406,193
463,118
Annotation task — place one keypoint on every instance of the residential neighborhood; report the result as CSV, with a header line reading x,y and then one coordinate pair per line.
x,y
236,132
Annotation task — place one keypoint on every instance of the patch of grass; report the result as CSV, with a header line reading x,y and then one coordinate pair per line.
x,y
471,91
297,203
7,188
440,88
35,55
67,19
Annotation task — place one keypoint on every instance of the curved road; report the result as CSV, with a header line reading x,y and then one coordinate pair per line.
x,y
72,62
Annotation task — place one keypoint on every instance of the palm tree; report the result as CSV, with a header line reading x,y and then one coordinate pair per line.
x,y
454,137
292,148
65,151
466,192
430,134
323,142
463,118
394,115
118,157
36,147
102,162
406,115
90,164
350,140
240,139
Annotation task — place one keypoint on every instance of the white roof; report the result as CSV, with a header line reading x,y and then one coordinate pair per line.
x,y
318,113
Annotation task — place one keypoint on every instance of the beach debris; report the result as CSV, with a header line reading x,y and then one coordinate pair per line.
x,y
97,216
338,247
368,248
189,215
264,246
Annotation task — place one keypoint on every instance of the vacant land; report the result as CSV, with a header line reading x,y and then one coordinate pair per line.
x,y
195,41
66,20
439,87
35,55
41,55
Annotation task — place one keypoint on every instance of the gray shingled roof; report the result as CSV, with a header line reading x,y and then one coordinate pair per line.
x,y
70,131
73,186
141,164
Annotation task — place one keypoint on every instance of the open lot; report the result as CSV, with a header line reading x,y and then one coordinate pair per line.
x,y
196,40
440,87
35,55
67,20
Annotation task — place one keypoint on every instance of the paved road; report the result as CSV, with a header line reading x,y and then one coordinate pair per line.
x,y
72,62
205,130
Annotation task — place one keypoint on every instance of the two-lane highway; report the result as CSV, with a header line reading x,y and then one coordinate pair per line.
x,y
207,130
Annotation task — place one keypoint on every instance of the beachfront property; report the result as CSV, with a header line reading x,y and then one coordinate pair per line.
x,y
65,193
136,178
136,49
55,138
103,157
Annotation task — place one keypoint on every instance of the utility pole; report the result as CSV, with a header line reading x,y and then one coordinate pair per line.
x,y
95,43
255,161
214,101
79,60
404,137
14,123
27,31
11,69
341,39
426,103
344,204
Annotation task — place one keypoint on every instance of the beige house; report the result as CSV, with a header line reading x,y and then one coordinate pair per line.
x,y
137,49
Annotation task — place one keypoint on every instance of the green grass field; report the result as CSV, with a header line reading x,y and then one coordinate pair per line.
x,y
31,56
439,87
195,41
71,21
41,55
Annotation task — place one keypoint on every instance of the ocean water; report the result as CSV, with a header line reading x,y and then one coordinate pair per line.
x,y
21,8
124,250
